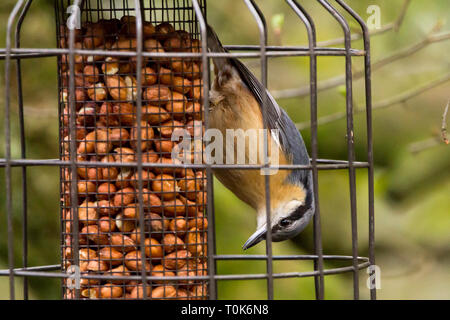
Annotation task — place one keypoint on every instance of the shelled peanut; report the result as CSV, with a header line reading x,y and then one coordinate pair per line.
x,y
113,197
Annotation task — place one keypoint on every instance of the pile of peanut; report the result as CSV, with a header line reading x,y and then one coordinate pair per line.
x,y
173,199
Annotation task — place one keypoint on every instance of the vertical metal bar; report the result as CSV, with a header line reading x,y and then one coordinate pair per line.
x,y
350,140
8,184
139,41
22,149
259,18
73,153
209,182
311,30
368,87
60,147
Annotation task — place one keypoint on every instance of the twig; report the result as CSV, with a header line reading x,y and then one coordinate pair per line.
x,y
38,112
401,98
339,80
444,124
395,25
423,145
429,143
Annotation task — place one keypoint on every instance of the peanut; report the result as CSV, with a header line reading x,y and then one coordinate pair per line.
x,y
105,190
154,115
111,291
122,242
109,173
111,66
85,188
148,76
176,260
116,87
124,178
154,224
110,255
195,242
133,261
106,224
97,266
164,292
125,155
165,146
147,136
105,208
179,226
147,176
124,197
153,249
172,242
157,94
91,74
138,292
120,271
96,92
93,234
124,224
165,187
87,213
159,271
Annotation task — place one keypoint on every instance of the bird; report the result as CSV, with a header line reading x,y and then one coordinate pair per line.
x,y
236,97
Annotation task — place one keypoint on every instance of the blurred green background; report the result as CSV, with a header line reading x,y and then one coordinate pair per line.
x,y
412,176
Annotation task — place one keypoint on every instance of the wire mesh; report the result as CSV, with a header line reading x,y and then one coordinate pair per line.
x,y
131,222
136,224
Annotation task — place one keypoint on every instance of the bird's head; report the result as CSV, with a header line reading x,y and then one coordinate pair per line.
x,y
288,217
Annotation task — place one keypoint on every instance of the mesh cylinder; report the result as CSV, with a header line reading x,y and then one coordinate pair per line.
x,y
121,224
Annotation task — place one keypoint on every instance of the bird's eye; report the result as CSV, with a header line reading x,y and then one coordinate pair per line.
x,y
285,222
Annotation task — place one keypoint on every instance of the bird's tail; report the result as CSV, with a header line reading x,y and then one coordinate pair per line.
x,y
214,45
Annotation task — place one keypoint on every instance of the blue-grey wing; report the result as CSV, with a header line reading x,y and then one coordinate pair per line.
x,y
291,141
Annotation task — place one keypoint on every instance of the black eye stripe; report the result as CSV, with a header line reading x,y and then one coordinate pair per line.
x,y
285,222
299,212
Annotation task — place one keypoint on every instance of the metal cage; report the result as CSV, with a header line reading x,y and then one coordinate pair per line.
x,y
188,15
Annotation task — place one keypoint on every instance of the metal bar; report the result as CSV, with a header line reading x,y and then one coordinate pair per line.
x,y
311,30
8,182
22,148
210,200
259,18
350,138
73,153
327,164
139,50
250,276
368,88
45,52
285,257
58,64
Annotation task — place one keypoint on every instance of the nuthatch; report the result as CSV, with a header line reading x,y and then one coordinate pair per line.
x,y
236,99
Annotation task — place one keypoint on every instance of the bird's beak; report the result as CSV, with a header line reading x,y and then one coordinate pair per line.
x,y
255,238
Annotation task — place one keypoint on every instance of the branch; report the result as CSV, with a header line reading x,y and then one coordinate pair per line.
x,y
426,144
431,38
401,98
395,25
444,124
423,145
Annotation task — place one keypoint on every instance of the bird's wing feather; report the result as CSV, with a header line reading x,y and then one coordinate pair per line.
x,y
290,139
276,118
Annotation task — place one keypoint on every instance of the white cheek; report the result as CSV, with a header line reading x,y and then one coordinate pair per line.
x,y
292,205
